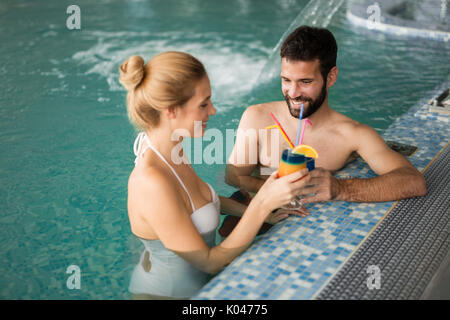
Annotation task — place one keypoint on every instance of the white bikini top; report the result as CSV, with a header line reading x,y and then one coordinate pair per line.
x,y
206,219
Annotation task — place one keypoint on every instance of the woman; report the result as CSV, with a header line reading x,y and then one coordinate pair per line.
x,y
171,210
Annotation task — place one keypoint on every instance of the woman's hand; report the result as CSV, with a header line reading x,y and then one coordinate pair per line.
x,y
276,192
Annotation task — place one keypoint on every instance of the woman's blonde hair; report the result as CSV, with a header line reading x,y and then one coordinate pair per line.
x,y
167,80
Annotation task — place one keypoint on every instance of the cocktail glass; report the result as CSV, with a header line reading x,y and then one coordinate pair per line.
x,y
291,162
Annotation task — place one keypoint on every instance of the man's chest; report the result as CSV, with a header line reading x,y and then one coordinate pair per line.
x,y
332,148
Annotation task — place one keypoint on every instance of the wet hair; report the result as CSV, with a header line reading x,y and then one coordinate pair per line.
x,y
167,80
309,43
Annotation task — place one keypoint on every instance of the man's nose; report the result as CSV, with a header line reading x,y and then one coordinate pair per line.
x,y
294,91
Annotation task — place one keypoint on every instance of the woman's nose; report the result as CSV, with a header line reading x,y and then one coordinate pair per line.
x,y
212,110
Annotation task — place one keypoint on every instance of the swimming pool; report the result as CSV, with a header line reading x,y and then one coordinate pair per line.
x,y
67,144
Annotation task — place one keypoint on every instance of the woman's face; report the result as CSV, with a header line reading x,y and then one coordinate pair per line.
x,y
195,114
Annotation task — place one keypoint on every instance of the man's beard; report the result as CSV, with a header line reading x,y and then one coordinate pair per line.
x,y
314,105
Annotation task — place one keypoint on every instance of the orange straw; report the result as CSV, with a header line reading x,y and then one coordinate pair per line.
x,y
282,131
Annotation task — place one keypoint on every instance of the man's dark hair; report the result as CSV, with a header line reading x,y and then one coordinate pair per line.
x,y
310,43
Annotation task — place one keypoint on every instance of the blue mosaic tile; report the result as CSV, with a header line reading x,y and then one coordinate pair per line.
x,y
298,256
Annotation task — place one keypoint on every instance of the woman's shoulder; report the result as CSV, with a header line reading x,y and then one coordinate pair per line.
x,y
153,202
152,178
150,185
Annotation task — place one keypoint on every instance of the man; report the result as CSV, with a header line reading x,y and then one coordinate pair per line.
x,y
308,71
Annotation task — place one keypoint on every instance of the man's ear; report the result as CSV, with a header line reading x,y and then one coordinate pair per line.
x,y
332,77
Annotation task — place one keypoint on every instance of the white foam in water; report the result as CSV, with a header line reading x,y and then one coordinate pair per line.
x,y
233,67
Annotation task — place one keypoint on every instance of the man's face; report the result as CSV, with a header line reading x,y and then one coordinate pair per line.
x,y
302,82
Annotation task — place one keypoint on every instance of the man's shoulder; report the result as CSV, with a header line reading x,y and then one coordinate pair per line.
x,y
262,108
345,125
260,113
352,130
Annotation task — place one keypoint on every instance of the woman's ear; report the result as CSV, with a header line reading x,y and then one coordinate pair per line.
x,y
171,112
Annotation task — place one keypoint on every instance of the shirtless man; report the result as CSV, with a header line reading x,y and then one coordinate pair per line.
x,y
308,71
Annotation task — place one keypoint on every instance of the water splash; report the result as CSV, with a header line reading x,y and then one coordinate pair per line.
x,y
317,13
218,54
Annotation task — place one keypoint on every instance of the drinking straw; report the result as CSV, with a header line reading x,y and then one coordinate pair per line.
x,y
299,125
307,121
276,126
282,131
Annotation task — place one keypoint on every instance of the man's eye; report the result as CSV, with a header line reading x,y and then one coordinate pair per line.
x,y
204,105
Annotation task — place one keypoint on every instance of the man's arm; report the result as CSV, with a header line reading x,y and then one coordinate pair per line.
x,y
244,157
398,178
240,177
398,184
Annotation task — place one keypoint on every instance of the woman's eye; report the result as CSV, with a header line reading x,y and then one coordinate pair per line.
x,y
204,105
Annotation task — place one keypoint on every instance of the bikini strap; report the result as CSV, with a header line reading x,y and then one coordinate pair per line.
x,y
137,145
139,154
214,196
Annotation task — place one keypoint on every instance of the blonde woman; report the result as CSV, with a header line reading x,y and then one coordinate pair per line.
x,y
171,210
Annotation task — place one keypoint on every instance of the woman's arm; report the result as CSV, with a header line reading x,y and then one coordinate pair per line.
x,y
163,209
237,209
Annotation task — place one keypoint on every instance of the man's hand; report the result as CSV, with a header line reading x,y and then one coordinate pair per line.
x,y
386,187
322,185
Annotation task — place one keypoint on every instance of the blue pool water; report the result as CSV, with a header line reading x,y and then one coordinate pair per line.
x,y
66,142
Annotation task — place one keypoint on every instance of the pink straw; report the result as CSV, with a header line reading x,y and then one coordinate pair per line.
x,y
303,128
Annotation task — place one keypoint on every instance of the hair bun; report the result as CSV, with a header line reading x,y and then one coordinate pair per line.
x,y
132,72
